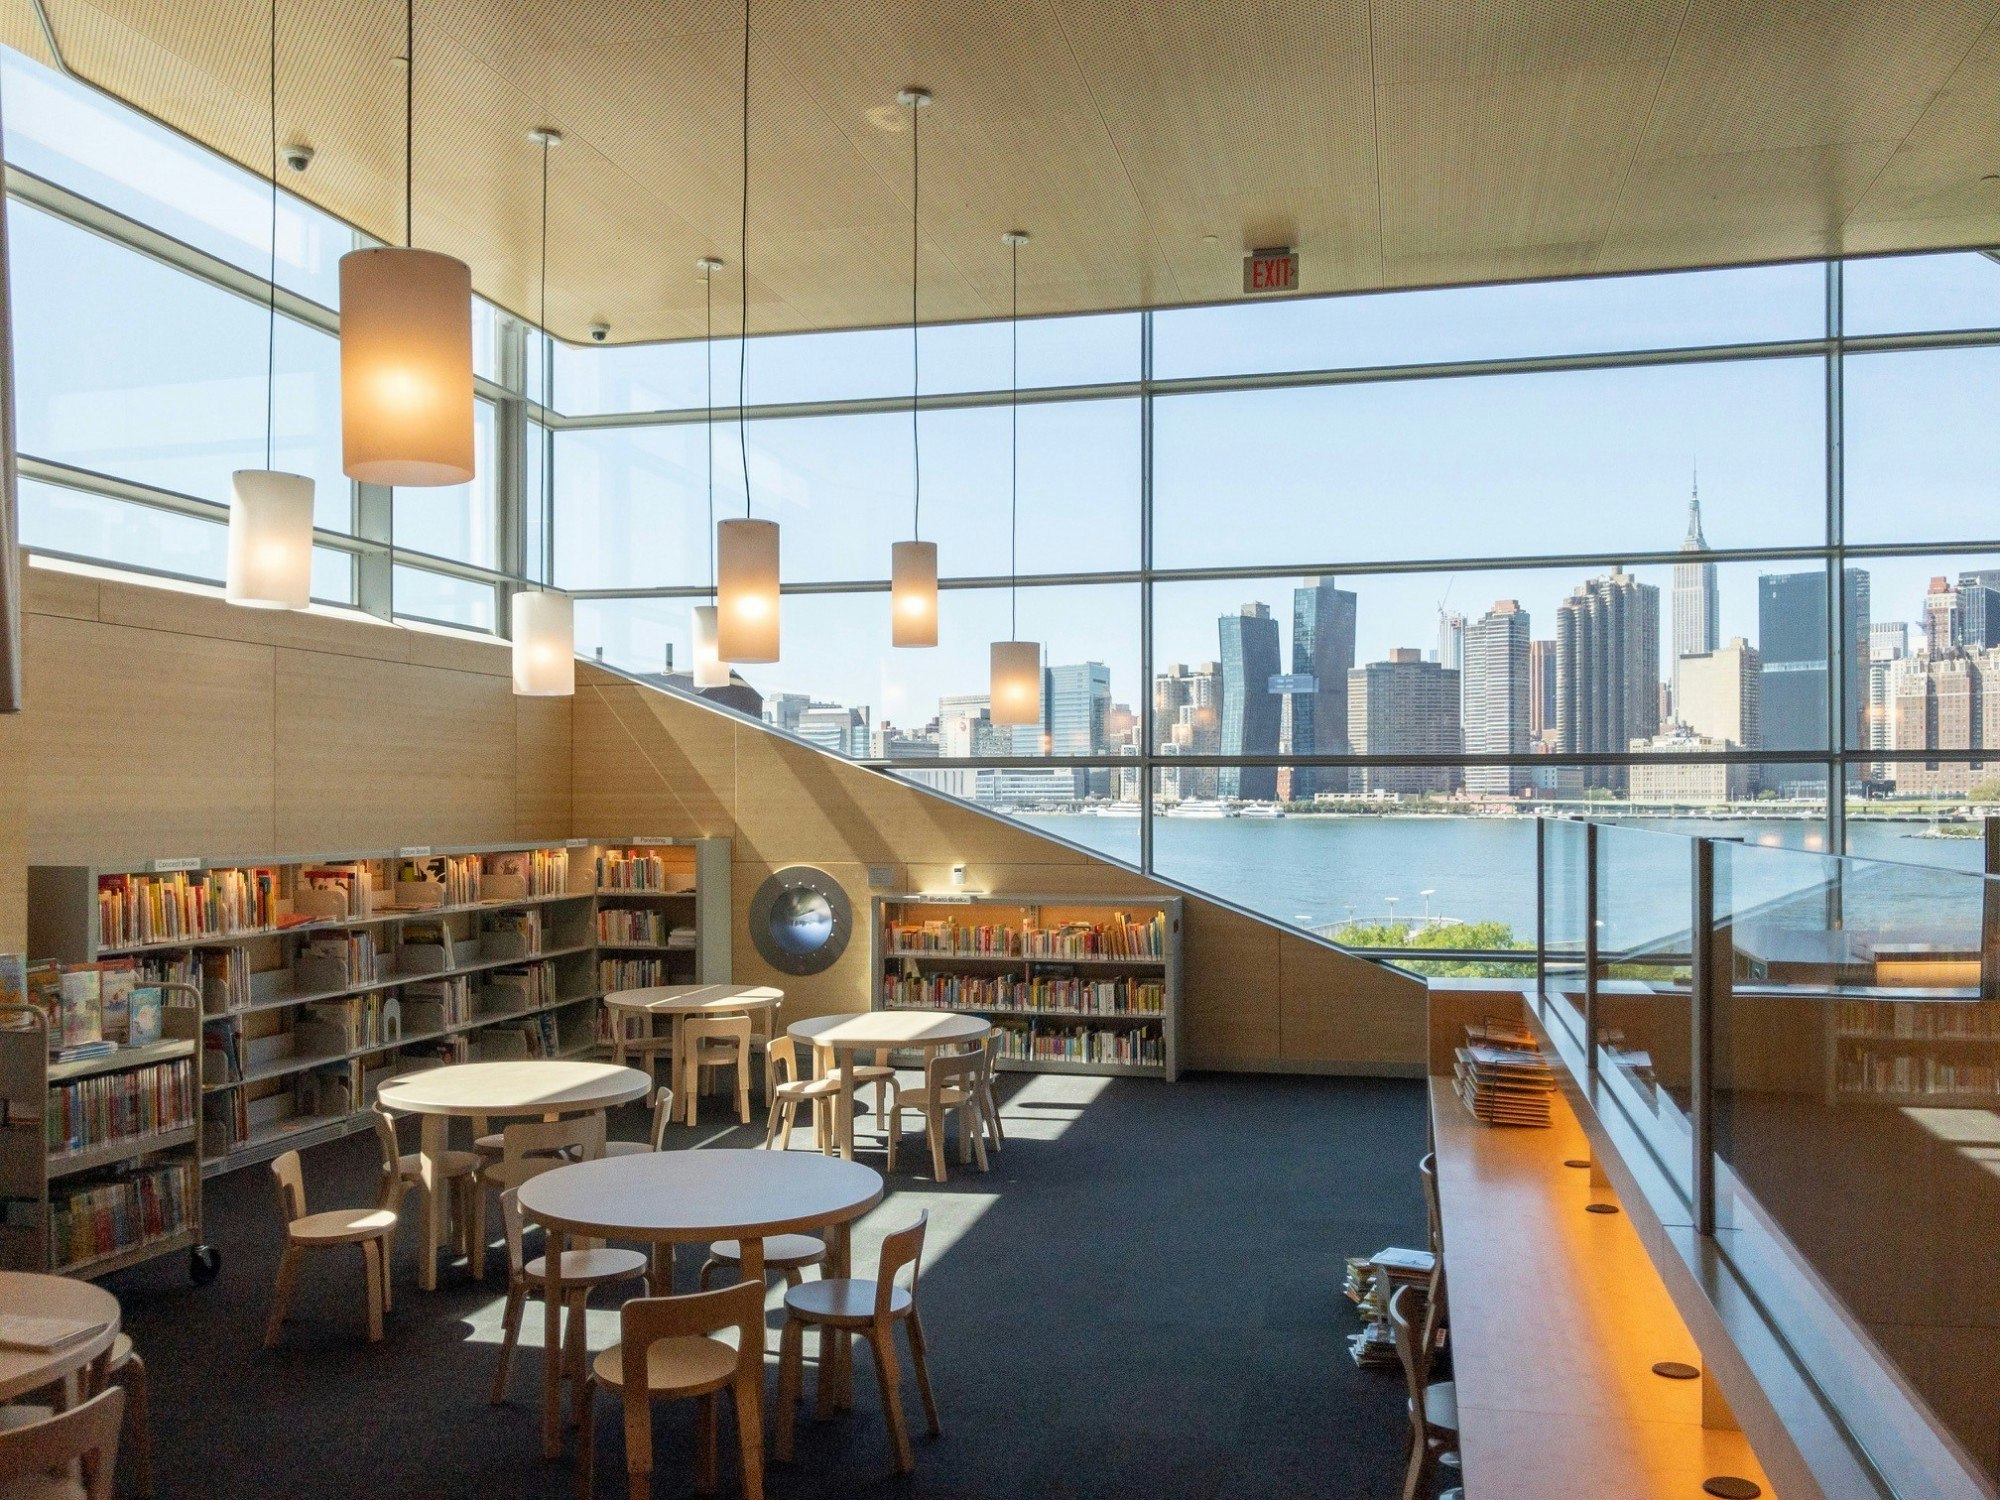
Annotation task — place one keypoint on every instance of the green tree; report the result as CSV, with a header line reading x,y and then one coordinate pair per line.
x,y
1484,935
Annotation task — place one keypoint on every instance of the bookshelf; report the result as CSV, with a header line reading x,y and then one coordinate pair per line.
x,y
1074,984
322,975
1942,1053
100,1158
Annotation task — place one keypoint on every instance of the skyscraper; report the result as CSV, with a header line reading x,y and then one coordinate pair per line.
x,y
1888,643
1979,601
1404,706
1187,720
1607,670
1250,710
1721,699
1323,623
1697,606
1541,690
1079,719
1451,641
1792,640
1495,693
1944,623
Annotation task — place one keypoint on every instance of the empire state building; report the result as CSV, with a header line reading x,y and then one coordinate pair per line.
x,y
1697,610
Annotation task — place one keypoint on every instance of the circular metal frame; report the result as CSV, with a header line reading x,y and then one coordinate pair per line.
x,y
801,920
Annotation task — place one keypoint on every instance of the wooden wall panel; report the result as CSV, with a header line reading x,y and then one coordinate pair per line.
x,y
1332,1009
13,834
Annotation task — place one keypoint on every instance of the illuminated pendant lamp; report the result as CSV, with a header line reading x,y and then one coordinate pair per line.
x,y
710,670
913,573
543,623
270,513
1014,689
406,346
746,550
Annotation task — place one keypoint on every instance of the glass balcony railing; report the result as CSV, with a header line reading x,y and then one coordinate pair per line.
x,y
1808,1047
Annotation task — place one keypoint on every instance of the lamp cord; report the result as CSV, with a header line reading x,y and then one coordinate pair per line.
x,y
409,121
708,348
743,263
271,336
916,370
1014,452
548,479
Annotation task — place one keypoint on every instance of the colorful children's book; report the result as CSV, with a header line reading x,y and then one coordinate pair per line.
x,y
117,978
142,1026
82,1007
14,988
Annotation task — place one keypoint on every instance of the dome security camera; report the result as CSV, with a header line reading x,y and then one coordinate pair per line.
x,y
298,156
599,332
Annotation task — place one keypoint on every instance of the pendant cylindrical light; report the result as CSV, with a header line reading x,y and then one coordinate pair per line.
x,y
544,645
710,670
913,593
405,368
270,513
270,539
1015,689
746,577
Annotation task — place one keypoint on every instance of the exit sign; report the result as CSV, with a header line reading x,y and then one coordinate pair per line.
x,y
1271,271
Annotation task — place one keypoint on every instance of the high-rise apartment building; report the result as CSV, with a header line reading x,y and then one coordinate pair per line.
x,y
1187,720
1323,626
1792,641
1697,604
1607,670
1541,691
1719,700
1944,622
1405,706
1250,710
1079,718
1451,641
1888,643
1494,695
1979,606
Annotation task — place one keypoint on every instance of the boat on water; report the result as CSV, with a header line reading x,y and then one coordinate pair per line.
x,y
1201,808
1262,810
1119,810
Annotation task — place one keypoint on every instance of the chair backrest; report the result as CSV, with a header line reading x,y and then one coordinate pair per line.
x,y
528,1147
510,1224
1428,1170
89,1431
734,1029
903,1248
291,1186
392,1155
955,1069
644,1321
1407,1319
781,1058
663,1111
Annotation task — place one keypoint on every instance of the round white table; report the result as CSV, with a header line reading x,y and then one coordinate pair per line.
x,y
679,1002
542,1088
666,1198
36,1296
881,1030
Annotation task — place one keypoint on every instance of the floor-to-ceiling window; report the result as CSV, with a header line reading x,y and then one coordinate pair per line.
x,y
1336,595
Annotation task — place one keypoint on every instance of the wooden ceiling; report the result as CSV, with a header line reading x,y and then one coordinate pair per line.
x,y
1146,145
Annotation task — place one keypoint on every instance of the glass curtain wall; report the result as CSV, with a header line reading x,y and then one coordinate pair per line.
x,y
1335,595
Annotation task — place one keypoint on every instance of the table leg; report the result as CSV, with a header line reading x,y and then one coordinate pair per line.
x,y
682,1102
839,1264
431,1149
552,1344
843,1112
660,1281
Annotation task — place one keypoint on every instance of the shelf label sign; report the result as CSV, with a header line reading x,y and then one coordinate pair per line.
x,y
167,866
576,843
1275,270
654,840
414,851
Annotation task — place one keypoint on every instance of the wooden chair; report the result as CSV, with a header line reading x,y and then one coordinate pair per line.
x,y
1433,1407
663,1111
403,1173
129,1371
716,1042
583,1271
529,1148
996,1136
1428,1171
650,1045
872,1308
788,1091
952,1083
370,1228
35,1458
789,1254
665,1353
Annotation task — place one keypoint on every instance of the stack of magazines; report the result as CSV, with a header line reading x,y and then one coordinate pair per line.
x,y
1371,1282
1502,1077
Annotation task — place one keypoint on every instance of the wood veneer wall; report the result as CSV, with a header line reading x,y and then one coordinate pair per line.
x,y
1255,995
164,722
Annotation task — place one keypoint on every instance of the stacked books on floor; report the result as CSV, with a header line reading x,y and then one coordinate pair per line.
x,y
1501,1076
1371,1282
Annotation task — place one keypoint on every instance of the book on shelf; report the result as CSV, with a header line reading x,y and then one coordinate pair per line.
x,y
1872,1069
529,872
508,991
426,948
1123,937
119,1211
435,1005
116,979
632,925
129,1105
185,905
221,1055
511,934
614,974
914,990
1040,1041
225,980
225,1122
145,1012
335,892
13,979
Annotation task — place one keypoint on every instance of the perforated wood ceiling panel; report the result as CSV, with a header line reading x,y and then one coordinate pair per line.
x,y
1393,142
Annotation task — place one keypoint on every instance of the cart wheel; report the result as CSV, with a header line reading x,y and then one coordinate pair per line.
x,y
204,1264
